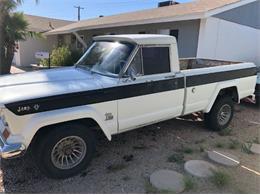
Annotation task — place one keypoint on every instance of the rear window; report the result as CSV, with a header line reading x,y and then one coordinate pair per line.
x,y
156,60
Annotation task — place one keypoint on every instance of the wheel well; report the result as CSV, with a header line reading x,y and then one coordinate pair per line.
x,y
88,122
230,91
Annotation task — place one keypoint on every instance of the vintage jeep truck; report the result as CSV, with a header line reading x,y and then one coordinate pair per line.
x,y
121,83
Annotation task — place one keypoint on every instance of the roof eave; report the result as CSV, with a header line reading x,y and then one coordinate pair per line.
x,y
228,7
140,22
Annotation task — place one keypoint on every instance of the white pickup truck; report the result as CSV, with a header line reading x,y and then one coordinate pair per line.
x,y
121,83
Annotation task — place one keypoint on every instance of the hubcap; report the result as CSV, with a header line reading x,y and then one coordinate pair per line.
x,y
224,114
68,152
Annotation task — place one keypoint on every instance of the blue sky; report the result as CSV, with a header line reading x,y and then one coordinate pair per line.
x,y
63,9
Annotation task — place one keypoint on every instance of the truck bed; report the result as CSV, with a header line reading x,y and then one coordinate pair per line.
x,y
195,63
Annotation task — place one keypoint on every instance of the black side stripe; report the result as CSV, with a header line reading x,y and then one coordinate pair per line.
x,y
93,96
121,92
203,79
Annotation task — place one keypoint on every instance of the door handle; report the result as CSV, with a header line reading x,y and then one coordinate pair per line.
x,y
170,77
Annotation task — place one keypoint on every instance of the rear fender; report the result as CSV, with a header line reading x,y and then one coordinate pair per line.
x,y
220,86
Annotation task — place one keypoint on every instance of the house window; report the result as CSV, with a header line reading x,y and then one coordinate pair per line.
x,y
142,32
78,44
175,33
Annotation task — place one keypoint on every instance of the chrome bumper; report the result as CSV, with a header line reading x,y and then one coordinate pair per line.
x,y
10,150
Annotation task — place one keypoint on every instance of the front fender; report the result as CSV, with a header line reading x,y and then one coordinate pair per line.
x,y
37,121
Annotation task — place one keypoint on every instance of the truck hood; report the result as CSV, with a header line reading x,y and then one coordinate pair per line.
x,y
26,86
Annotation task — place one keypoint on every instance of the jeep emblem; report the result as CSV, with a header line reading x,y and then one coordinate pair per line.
x,y
36,107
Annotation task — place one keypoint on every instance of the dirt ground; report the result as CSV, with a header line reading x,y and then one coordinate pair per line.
x,y
124,164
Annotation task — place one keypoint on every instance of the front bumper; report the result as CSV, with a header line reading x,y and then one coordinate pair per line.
x,y
9,150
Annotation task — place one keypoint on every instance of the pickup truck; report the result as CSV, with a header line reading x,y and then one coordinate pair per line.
x,y
121,83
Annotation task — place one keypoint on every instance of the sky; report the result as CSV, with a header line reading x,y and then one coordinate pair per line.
x,y
64,9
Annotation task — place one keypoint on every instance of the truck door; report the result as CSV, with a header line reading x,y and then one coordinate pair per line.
x,y
151,92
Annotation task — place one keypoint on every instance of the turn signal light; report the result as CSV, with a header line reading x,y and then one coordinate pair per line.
x,y
6,133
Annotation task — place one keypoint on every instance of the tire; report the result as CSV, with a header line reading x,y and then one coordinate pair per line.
x,y
57,149
220,115
257,101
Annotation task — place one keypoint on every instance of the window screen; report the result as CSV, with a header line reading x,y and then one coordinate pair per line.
x,y
156,60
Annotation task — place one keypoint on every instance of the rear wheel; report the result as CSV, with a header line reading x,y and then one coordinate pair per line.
x,y
65,151
221,114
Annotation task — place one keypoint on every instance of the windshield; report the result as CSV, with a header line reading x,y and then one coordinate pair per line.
x,y
106,57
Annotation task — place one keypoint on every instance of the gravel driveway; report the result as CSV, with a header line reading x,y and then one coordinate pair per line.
x,y
124,164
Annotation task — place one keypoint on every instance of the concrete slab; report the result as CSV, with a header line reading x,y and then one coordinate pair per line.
x,y
167,180
223,158
255,148
199,168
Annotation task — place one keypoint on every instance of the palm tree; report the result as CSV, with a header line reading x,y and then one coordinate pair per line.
x,y
13,28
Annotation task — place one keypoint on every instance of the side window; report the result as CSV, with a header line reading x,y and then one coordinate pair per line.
x,y
156,60
136,68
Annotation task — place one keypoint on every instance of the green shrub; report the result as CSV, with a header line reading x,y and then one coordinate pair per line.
x,y
63,56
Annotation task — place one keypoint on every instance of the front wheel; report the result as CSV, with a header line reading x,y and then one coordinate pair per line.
x,y
65,151
257,101
220,115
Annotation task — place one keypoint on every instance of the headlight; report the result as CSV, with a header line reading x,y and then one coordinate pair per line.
x,y
1,113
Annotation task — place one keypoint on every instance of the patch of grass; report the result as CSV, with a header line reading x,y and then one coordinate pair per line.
x,y
201,148
176,158
150,189
219,145
225,132
256,140
220,178
189,184
126,178
140,147
246,148
188,150
233,144
116,167
200,141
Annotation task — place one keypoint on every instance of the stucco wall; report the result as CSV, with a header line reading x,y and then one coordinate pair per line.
x,y
248,15
187,40
28,48
223,40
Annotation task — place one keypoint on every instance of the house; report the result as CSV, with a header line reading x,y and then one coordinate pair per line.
x,y
25,50
212,29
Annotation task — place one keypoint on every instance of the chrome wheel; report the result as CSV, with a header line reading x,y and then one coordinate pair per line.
x,y
68,152
224,114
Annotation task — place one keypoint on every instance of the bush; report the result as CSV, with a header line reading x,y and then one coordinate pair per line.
x,y
63,56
